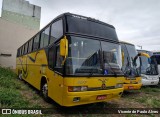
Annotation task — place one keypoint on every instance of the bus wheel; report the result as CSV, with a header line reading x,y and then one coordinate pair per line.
x,y
44,91
20,75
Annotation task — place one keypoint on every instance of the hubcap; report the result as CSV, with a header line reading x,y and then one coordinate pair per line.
x,y
20,76
45,90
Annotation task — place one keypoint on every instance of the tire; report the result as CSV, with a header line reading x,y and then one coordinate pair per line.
x,y
44,92
20,75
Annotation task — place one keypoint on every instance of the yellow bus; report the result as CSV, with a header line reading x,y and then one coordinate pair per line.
x,y
74,60
131,66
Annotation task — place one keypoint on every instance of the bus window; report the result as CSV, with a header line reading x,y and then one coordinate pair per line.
x,y
36,43
56,31
157,57
59,58
22,50
18,52
45,38
26,48
30,45
51,56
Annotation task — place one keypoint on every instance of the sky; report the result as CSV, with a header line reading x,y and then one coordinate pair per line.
x,y
136,21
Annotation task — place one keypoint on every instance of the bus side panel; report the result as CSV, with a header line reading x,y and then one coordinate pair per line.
x,y
33,67
55,86
37,63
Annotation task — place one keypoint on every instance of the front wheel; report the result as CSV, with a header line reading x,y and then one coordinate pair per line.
x,y
44,91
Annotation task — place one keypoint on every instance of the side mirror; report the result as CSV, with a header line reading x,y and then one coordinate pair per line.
x,y
64,47
140,54
144,54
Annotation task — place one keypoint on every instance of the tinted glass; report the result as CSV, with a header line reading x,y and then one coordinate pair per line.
x,y
157,57
45,38
125,56
88,27
26,48
59,58
56,31
132,53
22,50
36,43
51,56
112,57
83,56
30,45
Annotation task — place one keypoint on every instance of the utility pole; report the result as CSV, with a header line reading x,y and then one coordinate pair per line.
x,y
140,46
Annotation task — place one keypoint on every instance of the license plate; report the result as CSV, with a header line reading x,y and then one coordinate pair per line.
x,y
130,87
101,97
152,82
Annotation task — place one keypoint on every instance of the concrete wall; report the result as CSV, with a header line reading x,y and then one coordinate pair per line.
x,y
27,21
22,12
22,7
12,36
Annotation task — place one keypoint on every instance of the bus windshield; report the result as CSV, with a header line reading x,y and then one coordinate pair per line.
x,y
146,67
130,52
84,57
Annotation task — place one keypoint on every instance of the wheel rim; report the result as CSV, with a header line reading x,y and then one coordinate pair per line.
x,y
20,76
45,90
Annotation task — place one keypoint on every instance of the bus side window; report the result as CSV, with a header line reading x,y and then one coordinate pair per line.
x,y
22,52
30,45
45,37
51,56
56,31
59,59
36,42
26,48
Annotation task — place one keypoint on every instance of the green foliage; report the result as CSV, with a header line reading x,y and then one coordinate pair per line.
x,y
11,90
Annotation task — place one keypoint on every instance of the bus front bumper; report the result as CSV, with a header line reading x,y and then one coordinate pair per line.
x,y
132,86
80,98
146,82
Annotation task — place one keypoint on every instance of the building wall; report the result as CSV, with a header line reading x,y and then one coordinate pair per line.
x,y
12,36
27,21
22,12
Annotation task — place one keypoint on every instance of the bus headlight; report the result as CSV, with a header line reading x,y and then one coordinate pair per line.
x,y
144,77
119,86
77,88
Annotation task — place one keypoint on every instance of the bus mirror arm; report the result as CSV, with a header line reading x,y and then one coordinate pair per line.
x,y
140,54
64,49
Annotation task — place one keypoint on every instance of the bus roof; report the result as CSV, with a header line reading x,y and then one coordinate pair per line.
x,y
144,50
124,42
73,15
